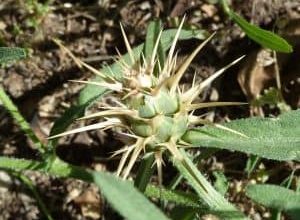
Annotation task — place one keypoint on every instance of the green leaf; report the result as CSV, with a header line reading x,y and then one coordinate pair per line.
x,y
180,198
144,173
62,123
276,197
126,199
122,195
8,54
153,30
91,93
272,138
214,201
263,37
251,164
205,153
221,184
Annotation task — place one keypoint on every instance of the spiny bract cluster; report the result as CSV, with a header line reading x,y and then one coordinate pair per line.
x,y
151,108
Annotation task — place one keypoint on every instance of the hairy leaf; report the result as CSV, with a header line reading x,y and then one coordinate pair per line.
x,y
127,199
276,197
8,54
180,198
221,184
272,138
122,195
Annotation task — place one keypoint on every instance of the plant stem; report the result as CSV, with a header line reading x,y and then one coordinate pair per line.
x,y
57,168
225,7
216,202
24,125
35,193
206,153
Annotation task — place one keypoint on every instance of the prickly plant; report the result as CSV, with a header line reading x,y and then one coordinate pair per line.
x,y
155,111
150,106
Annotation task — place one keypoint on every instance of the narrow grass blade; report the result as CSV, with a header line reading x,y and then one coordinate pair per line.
x,y
252,163
69,116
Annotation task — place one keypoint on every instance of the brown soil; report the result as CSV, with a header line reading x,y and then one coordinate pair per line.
x,y
90,29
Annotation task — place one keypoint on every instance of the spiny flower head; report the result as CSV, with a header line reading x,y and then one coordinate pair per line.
x,y
151,107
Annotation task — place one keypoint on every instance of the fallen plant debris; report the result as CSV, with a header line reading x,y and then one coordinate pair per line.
x,y
174,128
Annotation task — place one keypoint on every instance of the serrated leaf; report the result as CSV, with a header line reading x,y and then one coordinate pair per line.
x,y
8,54
263,37
276,197
272,138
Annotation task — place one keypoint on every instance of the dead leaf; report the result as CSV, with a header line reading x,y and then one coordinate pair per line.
x,y
89,203
209,9
181,7
256,73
